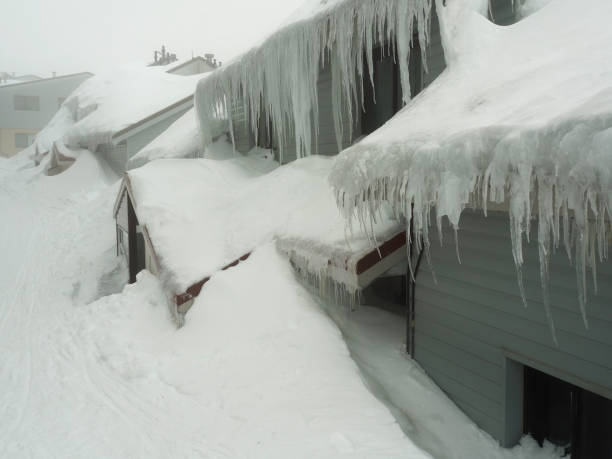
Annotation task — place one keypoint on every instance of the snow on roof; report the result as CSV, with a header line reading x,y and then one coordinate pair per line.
x,y
522,113
108,103
277,80
202,214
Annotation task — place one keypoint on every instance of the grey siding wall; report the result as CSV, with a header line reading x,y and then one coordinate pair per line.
x,y
472,322
114,155
144,137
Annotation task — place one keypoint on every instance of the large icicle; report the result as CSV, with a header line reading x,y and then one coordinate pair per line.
x,y
277,81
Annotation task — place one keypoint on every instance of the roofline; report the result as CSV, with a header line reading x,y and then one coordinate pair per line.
x,y
42,80
186,63
117,135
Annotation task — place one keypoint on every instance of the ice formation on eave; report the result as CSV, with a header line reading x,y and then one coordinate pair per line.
x,y
277,81
530,126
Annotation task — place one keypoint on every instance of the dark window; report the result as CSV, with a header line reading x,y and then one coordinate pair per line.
x,y
502,12
384,98
567,415
31,103
140,252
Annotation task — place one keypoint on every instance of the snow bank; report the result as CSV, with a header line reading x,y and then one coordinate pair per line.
x,y
258,371
203,214
277,81
106,103
522,115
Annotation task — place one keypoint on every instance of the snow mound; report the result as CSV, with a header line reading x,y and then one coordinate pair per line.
x,y
523,114
203,214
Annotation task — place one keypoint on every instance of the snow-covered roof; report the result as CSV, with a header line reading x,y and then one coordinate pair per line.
x,y
522,114
202,214
277,80
108,103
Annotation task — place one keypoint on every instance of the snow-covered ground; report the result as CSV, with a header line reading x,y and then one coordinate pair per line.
x,y
258,371
92,369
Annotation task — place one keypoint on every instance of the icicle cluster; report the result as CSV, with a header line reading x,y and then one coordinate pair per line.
x,y
333,275
563,172
276,83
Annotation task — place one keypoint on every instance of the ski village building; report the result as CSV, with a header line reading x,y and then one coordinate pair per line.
x,y
27,106
466,153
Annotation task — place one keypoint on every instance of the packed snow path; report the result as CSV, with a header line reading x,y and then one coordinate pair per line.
x,y
258,371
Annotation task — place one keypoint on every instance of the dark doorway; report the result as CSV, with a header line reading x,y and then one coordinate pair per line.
x,y
387,292
566,415
136,245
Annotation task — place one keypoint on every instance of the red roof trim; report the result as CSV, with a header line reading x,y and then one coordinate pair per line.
x,y
195,289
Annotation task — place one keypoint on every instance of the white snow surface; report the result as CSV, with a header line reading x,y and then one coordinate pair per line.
x,y
203,214
522,114
93,371
109,102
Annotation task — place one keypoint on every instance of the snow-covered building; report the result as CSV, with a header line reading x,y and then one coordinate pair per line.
x,y
27,103
518,126
116,114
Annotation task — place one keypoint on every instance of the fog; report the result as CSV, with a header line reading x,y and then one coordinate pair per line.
x,y
68,36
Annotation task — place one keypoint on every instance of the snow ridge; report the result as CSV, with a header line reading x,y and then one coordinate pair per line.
x,y
277,82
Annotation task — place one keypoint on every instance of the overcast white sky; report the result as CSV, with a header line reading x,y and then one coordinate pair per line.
x,y
67,36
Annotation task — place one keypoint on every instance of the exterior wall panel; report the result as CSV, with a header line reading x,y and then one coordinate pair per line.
x,y
472,319
142,138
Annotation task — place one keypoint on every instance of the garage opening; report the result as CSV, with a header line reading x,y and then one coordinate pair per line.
x,y
569,416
